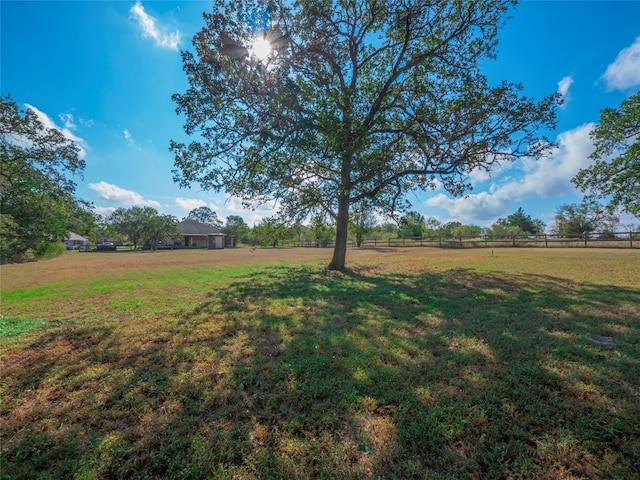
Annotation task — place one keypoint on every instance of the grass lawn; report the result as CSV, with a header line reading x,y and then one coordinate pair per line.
x,y
417,363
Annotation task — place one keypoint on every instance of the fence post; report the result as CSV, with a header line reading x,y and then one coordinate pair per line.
x,y
514,240
440,241
586,236
631,239
460,240
546,240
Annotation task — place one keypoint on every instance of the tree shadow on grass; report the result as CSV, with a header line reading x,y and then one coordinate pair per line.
x,y
305,373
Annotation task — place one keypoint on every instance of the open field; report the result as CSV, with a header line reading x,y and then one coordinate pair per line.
x,y
417,363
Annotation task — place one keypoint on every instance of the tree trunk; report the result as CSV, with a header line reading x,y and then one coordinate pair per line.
x,y
342,226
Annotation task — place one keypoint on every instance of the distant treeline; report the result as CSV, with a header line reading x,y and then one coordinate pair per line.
x,y
593,239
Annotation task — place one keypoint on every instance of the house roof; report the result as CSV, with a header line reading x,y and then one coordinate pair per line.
x,y
191,227
74,237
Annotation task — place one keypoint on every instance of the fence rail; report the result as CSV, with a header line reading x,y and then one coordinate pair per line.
x,y
591,240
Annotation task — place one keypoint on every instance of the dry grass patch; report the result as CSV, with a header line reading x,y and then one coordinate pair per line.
x,y
416,363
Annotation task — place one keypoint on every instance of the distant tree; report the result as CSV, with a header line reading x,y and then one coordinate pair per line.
x,y
388,228
237,227
84,220
466,231
519,223
358,100
126,223
362,221
299,231
385,230
38,207
587,217
302,233
142,226
102,229
616,178
433,226
159,228
446,230
205,215
322,232
270,231
504,229
411,225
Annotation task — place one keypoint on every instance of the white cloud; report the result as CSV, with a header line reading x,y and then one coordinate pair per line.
x,y
624,72
546,178
67,119
234,206
254,217
550,177
189,204
563,89
478,175
225,206
151,28
113,193
104,211
479,207
127,135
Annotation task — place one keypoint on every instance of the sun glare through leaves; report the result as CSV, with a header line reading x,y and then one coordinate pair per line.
x,y
260,48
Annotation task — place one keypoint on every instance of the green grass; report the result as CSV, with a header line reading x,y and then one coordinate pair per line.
x,y
13,327
463,366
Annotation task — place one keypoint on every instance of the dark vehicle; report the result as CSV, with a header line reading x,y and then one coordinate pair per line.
x,y
106,246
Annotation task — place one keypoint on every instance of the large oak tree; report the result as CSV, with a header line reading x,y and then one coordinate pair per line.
x,y
355,100
143,226
615,172
38,206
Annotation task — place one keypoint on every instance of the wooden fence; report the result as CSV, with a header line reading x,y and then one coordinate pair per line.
x,y
595,240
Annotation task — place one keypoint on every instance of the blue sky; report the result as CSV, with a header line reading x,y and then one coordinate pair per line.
x,y
103,72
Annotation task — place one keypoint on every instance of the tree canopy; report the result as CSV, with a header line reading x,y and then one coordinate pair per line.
x,y
616,178
584,218
362,221
143,226
321,231
269,232
518,223
237,227
412,224
205,215
466,231
37,192
356,100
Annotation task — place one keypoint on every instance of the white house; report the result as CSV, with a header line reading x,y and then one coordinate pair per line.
x,y
75,241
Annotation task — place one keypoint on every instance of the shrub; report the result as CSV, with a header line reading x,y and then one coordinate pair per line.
x,y
52,249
